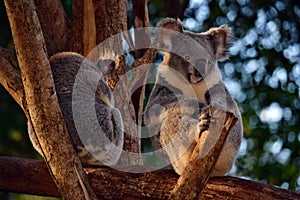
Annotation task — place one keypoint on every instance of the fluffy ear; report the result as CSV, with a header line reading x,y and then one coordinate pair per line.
x,y
165,36
221,39
170,23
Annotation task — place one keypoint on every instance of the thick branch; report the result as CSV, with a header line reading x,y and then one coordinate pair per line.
x,y
54,25
83,29
77,27
32,177
193,180
42,105
107,27
141,22
89,27
11,80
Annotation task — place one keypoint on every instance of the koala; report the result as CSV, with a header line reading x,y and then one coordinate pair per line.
x,y
188,82
87,105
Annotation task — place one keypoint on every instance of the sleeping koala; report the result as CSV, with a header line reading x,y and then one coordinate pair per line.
x,y
188,81
87,105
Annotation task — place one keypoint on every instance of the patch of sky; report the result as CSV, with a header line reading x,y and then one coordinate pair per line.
x,y
236,47
297,10
235,89
292,52
284,156
279,75
242,2
280,6
251,37
261,20
203,12
271,114
295,74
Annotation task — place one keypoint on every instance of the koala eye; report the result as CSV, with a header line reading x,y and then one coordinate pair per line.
x,y
187,58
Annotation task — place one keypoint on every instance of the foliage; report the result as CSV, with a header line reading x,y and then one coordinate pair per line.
x,y
263,76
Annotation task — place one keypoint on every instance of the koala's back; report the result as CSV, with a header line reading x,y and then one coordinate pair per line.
x,y
64,67
97,124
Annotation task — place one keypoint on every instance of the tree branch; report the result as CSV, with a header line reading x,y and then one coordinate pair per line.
x,y
10,56
142,43
89,27
55,25
11,80
42,105
83,29
193,180
77,27
32,177
108,27
141,22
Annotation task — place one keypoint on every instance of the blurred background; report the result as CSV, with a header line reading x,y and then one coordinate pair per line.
x,y
262,74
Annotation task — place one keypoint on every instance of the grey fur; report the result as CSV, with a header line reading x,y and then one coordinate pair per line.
x,y
101,139
177,113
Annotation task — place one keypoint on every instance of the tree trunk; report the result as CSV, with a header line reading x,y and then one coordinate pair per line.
x,y
41,106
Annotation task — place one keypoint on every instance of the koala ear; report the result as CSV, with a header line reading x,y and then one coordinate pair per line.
x,y
170,23
165,36
221,39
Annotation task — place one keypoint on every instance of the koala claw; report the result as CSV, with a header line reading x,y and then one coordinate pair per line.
x,y
204,122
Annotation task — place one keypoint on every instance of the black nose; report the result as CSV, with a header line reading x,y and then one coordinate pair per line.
x,y
196,72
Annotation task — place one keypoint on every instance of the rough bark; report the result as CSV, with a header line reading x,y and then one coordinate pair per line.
x,y
10,56
77,27
42,109
32,177
83,29
55,25
89,27
193,180
142,42
106,27
141,22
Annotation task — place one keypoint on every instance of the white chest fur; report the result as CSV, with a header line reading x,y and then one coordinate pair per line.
x,y
196,90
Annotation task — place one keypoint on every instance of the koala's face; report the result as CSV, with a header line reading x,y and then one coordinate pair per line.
x,y
192,55
192,70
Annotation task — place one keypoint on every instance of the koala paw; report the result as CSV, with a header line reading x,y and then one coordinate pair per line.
x,y
206,119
